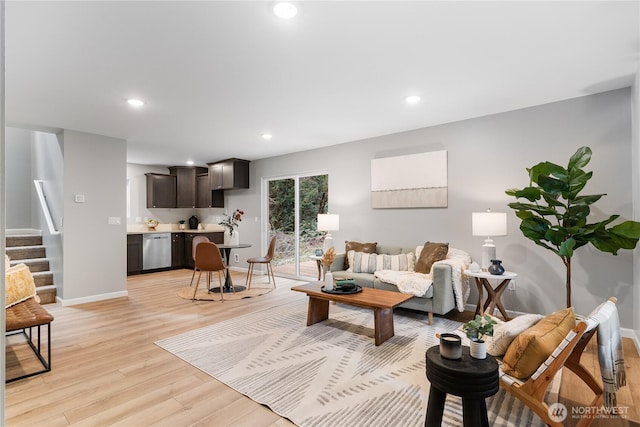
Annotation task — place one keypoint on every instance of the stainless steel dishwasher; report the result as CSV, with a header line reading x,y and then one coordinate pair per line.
x,y
156,250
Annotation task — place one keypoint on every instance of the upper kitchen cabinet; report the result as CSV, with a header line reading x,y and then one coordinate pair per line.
x,y
208,198
161,190
229,174
187,185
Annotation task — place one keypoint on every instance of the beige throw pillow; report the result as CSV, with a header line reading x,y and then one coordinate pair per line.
x,y
505,332
431,252
368,248
361,262
19,285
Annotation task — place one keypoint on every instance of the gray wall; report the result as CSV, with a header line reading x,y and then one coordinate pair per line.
x,y
19,184
94,251
485,156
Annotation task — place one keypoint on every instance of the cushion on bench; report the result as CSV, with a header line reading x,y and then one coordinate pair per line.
x,y
26,314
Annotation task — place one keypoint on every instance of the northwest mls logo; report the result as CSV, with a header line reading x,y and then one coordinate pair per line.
x,y
557,412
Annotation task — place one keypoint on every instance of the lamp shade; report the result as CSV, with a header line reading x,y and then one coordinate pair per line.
x,y
328,222
489,224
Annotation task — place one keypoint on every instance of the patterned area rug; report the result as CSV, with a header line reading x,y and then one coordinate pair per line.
x,y
331,373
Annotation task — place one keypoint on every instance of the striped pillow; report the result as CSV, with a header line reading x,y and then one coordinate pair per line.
x,y
360,262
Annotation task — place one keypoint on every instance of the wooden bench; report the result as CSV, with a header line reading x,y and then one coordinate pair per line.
x,y
21,319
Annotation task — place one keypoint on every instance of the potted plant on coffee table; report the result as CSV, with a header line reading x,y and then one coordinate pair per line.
x,y
476,330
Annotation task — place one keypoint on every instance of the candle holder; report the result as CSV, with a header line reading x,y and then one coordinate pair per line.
x,y
450,346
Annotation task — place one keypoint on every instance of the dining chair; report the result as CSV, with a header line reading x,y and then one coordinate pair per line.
x,y
209,259
196,240
263,260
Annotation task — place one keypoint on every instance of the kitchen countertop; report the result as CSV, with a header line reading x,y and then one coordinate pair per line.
x,y
171,228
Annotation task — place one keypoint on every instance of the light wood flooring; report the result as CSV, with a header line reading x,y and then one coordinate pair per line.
x,y
107,371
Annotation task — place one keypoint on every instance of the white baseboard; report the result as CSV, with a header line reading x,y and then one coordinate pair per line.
x,y
91,298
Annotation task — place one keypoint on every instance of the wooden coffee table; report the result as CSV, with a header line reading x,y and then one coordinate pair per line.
x,y
382,302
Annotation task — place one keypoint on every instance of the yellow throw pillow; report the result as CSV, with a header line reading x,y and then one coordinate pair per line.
x,y
532,347
19,285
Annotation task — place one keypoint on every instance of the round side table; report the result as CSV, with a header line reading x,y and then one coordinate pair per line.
x,y
472,379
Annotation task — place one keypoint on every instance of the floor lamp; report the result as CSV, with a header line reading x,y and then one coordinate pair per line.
x,y
488,224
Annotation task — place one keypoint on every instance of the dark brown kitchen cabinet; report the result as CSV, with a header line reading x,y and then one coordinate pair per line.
x,y
161,190
208,198
215,237
187,185
134,253
177,250
229,174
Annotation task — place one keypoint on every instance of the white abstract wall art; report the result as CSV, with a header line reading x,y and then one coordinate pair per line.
x,y
410,181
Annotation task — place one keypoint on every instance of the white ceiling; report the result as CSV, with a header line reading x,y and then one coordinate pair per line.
x,y
215,75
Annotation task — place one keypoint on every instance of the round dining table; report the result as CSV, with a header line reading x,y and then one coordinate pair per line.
x,y
226,249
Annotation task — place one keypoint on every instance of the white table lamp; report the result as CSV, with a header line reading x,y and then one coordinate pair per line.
x,y
328,222
488,224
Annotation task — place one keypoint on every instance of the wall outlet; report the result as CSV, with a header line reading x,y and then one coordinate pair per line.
x,y
512,285
236,257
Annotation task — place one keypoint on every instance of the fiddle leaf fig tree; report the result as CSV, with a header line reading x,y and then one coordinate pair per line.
x,y
555,215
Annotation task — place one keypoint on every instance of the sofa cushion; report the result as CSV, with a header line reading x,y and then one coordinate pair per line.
x,y
19,285
369,248
505,332
361,262
430,253
532,347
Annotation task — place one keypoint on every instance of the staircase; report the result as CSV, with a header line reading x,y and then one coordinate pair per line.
x,y
28,249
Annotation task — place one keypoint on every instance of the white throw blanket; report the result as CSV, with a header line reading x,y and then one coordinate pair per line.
x,y
417,284
610,353
408,282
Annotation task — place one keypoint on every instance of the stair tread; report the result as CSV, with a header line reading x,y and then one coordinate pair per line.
x,y
24,247
28,260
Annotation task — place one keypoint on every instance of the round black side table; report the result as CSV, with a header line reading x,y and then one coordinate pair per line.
x,y
472,379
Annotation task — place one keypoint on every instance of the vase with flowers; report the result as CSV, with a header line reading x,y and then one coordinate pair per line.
x,y
327,260
230,224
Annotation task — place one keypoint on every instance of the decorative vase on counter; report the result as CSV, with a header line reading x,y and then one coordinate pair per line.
x,y
231,239
193,222
496,267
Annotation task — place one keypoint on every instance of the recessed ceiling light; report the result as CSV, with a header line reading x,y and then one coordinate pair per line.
x,y
135,102
189,162
267,136
285,10
413,99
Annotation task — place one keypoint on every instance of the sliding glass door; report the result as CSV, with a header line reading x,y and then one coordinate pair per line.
x,y
293,204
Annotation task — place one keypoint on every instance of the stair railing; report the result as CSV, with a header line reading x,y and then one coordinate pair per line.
x,y
45,207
